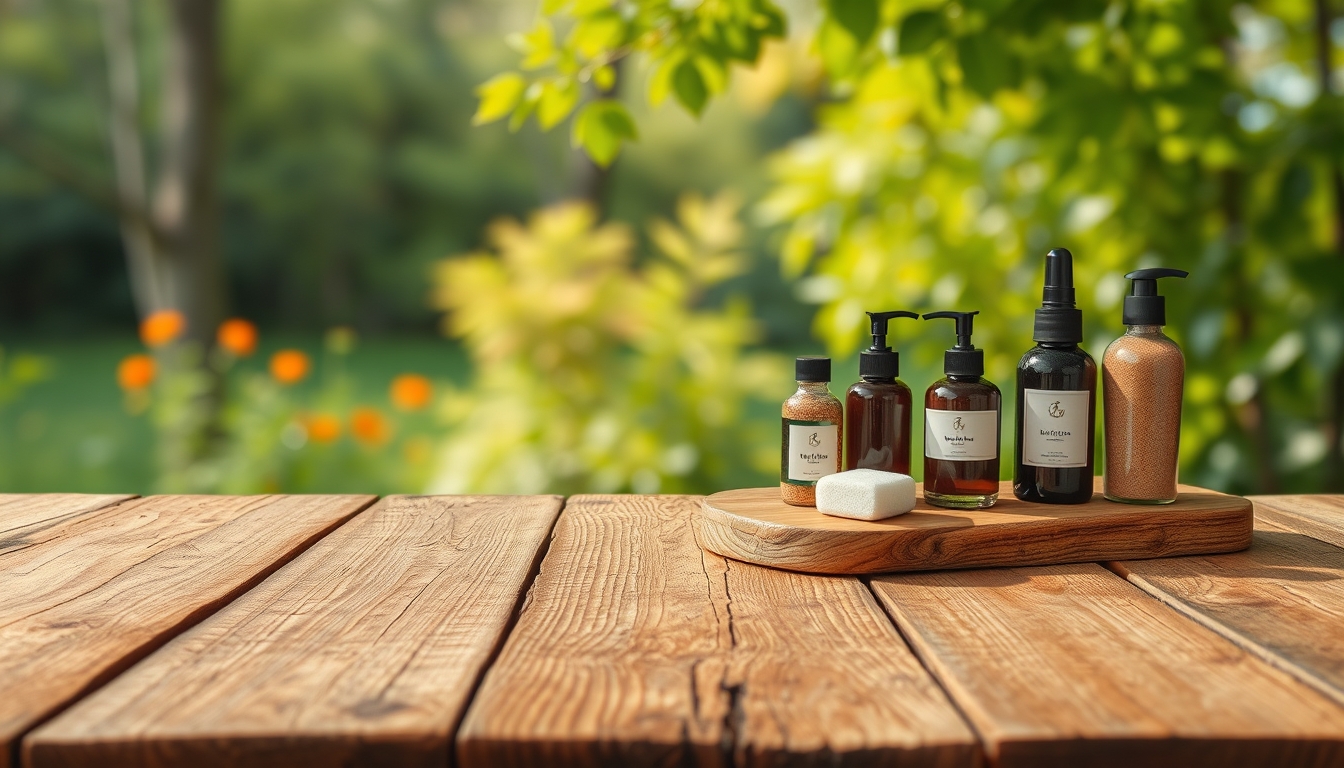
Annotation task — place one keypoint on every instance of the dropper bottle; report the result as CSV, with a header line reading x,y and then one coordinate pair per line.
x,y
1056,398
1143,374
961,426
877,407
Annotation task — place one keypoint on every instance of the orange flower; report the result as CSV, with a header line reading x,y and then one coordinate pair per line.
x,y
135,372
289,366
237,336
161,327
323,428
369,426
411,392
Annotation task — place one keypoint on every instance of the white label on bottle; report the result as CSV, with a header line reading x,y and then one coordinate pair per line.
x,y
1054,427
813,452
961,435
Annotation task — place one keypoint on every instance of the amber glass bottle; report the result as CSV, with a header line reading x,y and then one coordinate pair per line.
x,y
961,427
877,407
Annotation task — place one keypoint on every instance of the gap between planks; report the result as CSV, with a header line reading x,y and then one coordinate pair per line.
x,y
1279,642
478,568
637,646
95,679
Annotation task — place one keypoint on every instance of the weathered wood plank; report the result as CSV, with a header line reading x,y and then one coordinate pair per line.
x,y
28,518
1321,517
1071,665
635,647
1282,599
101,591
363,650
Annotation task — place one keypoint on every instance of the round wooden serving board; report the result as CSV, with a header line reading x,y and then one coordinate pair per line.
x,y
755,526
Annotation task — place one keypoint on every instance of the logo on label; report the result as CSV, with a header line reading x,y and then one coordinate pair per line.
x,y
1056,411
958,425
813,440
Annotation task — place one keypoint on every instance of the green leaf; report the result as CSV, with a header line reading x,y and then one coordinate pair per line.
x,y
839,53
600,128
537,46
713,73
986,65
498,95
857,17
525,109
689,86
604,78
598,34
557,101
919,31
770,21
585,7
660,82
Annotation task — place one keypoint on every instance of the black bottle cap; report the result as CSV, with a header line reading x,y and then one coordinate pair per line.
x,y
963,359
1143,305
812,368
1058,321
879,361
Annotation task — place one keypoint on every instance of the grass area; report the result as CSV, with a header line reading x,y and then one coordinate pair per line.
x,y
72,432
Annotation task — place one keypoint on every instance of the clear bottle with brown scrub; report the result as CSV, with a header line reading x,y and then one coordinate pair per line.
x,y
1142,377
877,407
810,444
961,426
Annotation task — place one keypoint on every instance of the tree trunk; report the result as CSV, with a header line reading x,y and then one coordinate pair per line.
x,y
186,199
171,238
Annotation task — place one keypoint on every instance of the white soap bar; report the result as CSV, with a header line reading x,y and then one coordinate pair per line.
x,y
866,494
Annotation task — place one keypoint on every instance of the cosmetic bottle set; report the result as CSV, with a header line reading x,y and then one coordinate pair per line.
x,y
961,422
1143,373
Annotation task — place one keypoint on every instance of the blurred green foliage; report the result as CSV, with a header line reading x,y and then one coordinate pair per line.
x,y
595,372
961,140
921,155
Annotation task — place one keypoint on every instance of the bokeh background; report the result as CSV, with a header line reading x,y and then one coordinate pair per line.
x,y
511,246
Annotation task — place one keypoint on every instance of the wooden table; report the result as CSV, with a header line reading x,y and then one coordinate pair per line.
x,y
480,631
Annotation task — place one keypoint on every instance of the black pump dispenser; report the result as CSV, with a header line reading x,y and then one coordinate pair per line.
x,y
1143,305
1058,321
963,359
879,361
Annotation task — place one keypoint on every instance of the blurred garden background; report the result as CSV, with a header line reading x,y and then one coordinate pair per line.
x,y
571,245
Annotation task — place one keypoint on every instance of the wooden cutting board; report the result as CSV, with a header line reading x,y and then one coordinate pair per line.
x,y
754,525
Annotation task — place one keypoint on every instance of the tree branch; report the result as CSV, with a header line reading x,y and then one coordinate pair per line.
x,y
54,166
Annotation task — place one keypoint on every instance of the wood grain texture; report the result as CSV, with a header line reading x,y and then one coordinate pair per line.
x,y
1070,665
100,591
1321,517
29,518
362,651
635,647
755,526
1282,599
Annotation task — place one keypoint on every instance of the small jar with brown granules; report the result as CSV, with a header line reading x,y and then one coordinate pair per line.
x,y
812,421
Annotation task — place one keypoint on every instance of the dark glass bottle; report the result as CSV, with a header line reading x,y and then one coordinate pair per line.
x,y
962,427
877,407
1056,399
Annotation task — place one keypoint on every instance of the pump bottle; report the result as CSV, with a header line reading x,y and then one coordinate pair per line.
x,y
1056,398
961,426
877,407
1143,373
